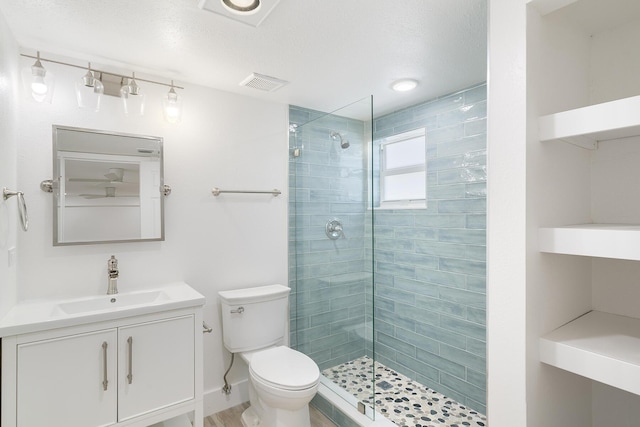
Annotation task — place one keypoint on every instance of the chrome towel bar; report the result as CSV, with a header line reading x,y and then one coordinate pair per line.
x,y
47,187
216,192
22,206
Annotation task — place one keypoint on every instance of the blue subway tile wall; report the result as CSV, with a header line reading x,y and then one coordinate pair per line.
x,y
437,260
409,283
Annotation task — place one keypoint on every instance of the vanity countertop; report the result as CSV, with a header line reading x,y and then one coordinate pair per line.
x,y
44,315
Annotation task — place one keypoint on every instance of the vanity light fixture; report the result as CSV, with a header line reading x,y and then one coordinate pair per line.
x,y
172,106
89,91
404,85
242,7
38,86
132,97
38,82
95,83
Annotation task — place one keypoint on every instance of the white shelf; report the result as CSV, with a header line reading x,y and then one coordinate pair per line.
x,y
598,240
601,122
601,346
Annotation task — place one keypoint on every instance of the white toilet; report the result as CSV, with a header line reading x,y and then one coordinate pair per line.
x,y
282,381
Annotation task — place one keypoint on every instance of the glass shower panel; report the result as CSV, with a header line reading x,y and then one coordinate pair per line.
x,y
330,246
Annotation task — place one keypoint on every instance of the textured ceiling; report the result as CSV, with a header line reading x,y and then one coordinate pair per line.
x,y
332,52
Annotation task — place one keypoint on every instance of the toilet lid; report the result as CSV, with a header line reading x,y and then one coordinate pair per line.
x,y
285,368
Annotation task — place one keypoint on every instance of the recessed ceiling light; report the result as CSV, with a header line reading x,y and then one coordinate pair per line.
x,y
250,12
404,85
243,7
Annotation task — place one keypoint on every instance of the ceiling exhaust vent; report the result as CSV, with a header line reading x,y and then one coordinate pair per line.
x,y
262,82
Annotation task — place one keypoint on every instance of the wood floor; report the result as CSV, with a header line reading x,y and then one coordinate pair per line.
x,y
231,418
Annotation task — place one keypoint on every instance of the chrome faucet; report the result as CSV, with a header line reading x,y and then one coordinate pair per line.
x,y
112,270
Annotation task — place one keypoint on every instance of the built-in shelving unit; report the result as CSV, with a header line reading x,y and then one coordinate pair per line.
x,y
582,200
588,125
585,127
600,346
598,240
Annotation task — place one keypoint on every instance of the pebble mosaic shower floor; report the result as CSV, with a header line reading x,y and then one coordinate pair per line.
x,y
405,402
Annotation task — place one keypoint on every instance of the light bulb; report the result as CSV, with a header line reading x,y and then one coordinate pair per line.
x,y
38,86
172,106
172,112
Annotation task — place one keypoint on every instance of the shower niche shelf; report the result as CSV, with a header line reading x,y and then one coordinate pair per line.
x,y
588,125
601,346
620,241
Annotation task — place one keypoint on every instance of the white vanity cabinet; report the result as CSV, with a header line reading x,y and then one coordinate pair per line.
x,y
101,378
129,371
61,381
155,366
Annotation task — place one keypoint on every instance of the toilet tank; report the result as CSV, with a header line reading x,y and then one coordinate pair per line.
x,y
254,318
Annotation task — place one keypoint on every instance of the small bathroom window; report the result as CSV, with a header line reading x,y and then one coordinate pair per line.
x,y
403,171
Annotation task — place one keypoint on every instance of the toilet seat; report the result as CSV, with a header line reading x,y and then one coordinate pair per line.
x,y
284,368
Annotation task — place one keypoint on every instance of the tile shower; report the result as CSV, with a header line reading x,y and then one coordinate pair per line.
x,y
405,288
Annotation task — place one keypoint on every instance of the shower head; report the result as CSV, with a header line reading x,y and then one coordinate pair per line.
x,y
337,137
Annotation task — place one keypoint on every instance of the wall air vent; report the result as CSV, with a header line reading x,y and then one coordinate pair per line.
x,y
262,82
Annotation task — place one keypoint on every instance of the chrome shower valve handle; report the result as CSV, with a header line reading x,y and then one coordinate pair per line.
x,y
334,230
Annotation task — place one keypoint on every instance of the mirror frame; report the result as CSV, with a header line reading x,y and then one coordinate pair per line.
x,y
57,177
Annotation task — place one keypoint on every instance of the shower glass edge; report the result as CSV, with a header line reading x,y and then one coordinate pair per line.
x,y
331,268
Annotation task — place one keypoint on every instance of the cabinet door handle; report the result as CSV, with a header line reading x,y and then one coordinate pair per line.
x,y
130,374
105,382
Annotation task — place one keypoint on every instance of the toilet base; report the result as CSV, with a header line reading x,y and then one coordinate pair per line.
x,y
249,418
277,418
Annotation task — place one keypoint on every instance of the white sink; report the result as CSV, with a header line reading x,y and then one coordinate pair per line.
x,y
43,315
112,302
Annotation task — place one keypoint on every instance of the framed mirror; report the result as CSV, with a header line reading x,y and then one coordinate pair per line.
x,y
107,187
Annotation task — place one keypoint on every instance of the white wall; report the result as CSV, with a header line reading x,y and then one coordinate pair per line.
x,y
506,149
8,154
232,241
558,193
614,71
615,183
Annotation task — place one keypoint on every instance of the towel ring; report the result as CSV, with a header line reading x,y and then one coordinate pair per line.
x,y
22,206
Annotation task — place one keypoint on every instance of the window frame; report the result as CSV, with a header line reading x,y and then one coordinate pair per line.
x,y
384,172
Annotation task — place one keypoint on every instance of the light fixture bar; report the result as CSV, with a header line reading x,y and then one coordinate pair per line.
x,y
102,72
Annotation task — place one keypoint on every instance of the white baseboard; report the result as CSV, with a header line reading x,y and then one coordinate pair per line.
x,y
215,400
